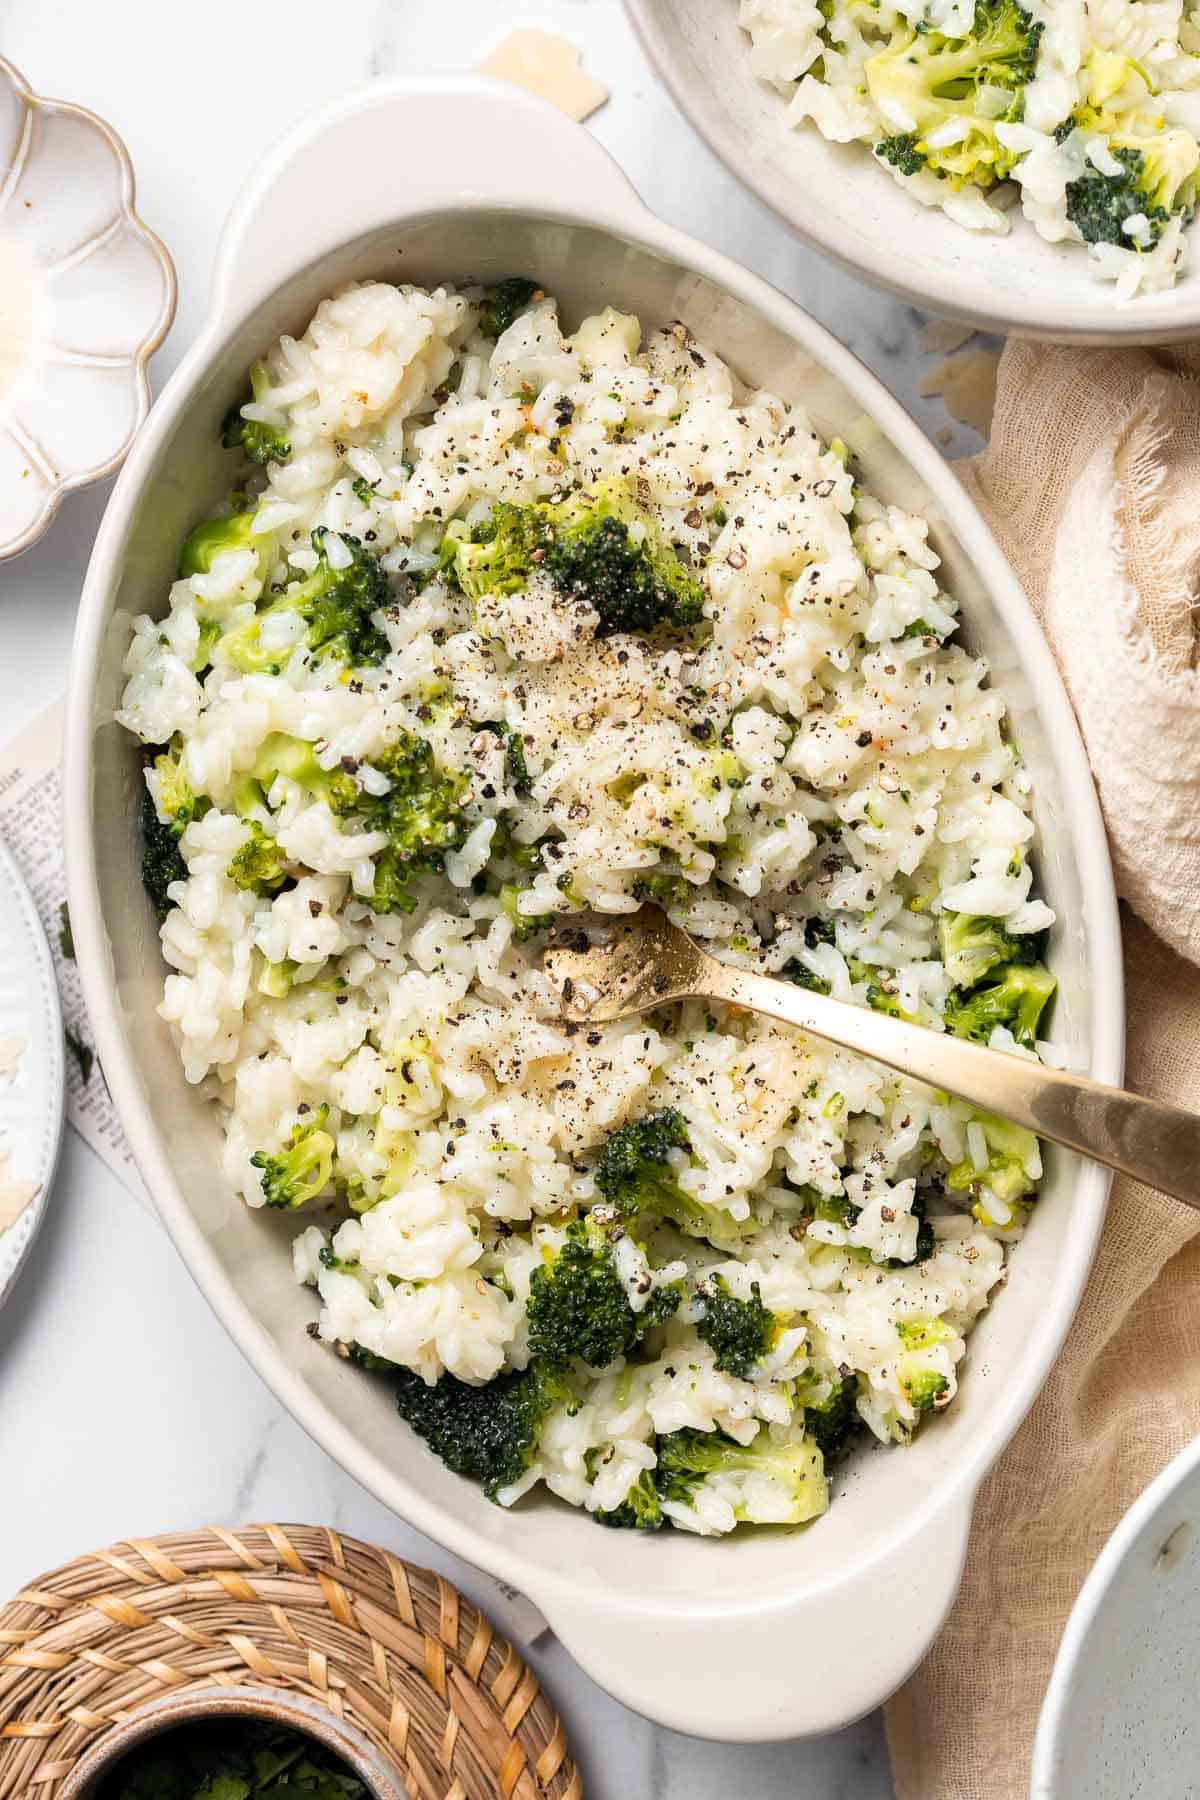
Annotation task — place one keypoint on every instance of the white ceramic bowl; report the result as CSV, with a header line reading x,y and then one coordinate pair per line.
x,y
834,196
87,293
769,1635
1120,1719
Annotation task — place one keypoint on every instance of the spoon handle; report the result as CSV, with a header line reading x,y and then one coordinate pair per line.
x,y
1155,1143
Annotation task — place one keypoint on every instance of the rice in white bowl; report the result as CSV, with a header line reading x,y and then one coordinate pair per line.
x,y
1088,115
363,825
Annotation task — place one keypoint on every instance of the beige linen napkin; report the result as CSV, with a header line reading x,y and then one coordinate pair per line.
x,y
1092,484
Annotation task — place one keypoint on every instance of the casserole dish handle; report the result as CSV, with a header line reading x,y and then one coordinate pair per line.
x,y
809,1664
413,146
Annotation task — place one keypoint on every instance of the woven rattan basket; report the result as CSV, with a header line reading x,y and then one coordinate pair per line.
x,y
392,1648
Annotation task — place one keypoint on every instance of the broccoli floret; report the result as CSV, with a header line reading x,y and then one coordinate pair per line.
x,y
209,539
487,1434
922,1334
499,555
162,860
935,81
922,1381
369,1360
515,766
208,637
926,1238
177,801
392,889
640,1510
503,301
601,548
261,443
525,925
1157,176
1012,1152
422,813
362,490
579,1306
925,1388
301,1170
795,971
1017,998
422,810
972,946
664,885
527,857
275,979
335,602
739,1332
338,601
903,153
635,583
765,1482
881,995
635,1165
635,1175
921,628
834,1209
1156,181
834,1421
294,758
882,999
259,865
328,1258
353,1190
816,931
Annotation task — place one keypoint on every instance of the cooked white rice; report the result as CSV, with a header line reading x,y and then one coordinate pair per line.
x,y
809,758
1127,71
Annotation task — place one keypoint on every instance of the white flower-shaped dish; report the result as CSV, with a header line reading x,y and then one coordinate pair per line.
x,y
87,294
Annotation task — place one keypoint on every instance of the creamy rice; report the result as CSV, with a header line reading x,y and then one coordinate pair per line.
x,y
818,775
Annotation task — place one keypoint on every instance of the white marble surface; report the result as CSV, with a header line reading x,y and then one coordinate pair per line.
x,y
123,1408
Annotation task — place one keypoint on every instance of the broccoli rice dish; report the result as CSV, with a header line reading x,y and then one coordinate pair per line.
x,y
1086,117
505,630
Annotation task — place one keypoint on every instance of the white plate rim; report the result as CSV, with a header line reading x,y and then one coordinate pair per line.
x,y
1126,1535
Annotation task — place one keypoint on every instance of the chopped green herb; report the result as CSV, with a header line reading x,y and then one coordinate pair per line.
x,y
230,1759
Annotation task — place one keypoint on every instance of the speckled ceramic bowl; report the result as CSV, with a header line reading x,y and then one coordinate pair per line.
x,y
87,293
274,1705
834,196
1120,1719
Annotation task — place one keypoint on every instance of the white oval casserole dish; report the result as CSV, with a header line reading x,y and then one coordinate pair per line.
x,y
775,1634
835,196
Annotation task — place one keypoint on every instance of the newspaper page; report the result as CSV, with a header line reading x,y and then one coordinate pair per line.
x,y
31,794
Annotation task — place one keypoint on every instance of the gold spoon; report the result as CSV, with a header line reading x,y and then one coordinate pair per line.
x,y
650,961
